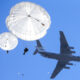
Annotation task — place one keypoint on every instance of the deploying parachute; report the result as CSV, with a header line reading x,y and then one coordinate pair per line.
x,y
8,41
28,21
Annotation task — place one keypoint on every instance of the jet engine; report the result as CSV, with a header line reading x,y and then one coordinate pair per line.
x,y
67,67
71,47
72,51
69,63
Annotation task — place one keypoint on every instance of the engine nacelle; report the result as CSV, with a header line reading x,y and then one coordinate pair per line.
x,y
72,51
69,63
67,67
71,47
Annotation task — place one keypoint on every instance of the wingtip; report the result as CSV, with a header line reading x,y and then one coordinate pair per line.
x,y
51,77
61,32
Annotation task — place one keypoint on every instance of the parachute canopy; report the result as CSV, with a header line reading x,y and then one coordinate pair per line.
x,y
8,41
28,21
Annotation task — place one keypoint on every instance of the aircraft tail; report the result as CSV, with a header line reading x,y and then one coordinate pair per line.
x,y
39,47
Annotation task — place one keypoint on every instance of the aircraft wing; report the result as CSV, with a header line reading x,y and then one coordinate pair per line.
x,y
64,47
60,65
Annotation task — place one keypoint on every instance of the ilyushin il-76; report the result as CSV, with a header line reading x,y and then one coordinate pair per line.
x,y
63,58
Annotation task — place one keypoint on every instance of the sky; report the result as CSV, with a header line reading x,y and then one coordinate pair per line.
x,y
65,16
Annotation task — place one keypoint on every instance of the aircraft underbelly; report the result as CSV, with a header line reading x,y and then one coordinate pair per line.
x,y
64,57
69,58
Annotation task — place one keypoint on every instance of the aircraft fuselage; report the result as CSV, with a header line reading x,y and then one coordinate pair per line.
x,y
61,56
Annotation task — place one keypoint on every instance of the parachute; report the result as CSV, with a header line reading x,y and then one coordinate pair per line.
x,y
8,41
28,21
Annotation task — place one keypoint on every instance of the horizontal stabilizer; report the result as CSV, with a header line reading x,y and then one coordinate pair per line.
x,y
35,52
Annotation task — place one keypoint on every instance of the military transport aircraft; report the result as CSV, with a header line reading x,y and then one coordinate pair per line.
x,y
63,58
